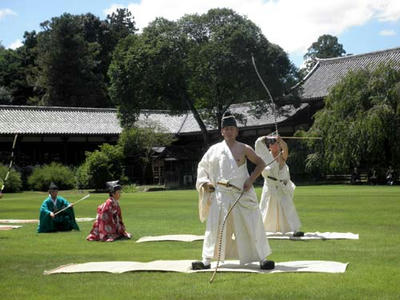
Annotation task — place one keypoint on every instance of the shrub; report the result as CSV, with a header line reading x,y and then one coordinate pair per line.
x,y
42,176
82,177
138,145
130,188
13,183
103,165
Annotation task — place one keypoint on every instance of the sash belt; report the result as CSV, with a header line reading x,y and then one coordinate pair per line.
x,y
227,184
276,179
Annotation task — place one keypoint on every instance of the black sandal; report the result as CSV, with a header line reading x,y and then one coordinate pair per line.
x,y
199,265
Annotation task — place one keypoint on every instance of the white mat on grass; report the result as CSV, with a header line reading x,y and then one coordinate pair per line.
x,y
171,237
18,221
184,266
270,235
22,221
314,236
9,227
85,219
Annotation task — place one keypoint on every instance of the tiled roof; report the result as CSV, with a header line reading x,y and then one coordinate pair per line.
x,y
286,112
39,120
171,123
58,120
329,71
190,125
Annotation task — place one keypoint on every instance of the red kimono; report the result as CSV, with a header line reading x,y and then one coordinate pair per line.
x,y
108,225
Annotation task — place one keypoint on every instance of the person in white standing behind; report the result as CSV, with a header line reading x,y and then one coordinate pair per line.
x,y
222,175
276,205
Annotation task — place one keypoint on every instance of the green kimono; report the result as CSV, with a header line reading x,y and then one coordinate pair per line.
x,y
64,221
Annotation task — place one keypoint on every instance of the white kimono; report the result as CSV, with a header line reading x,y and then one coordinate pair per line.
x,y
276,205
244,236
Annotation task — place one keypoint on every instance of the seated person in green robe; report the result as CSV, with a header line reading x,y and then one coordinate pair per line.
x,y
49,221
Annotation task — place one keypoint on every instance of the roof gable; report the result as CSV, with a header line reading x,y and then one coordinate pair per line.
x,y
328,72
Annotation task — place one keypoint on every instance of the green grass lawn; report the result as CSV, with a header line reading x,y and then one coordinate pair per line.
x,y
373,272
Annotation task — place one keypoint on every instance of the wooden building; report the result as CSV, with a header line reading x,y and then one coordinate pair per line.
x,y
62,134
58,134
329,71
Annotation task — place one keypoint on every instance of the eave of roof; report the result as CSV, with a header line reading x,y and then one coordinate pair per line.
x,y
45,120
50,120
329,71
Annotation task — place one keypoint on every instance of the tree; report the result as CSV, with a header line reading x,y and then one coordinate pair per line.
x,y
5,96
138,144
67,65
326,46
74,53
100,166
106,34
223,73
360,123
16,68
28,53
201,63
121,24
126,78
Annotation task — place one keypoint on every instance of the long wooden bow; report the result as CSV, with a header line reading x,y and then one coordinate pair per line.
x,y
72,204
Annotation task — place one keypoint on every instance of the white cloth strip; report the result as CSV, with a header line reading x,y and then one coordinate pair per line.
x,y
184,266
33,221
270,235
9,227
314,236
174,237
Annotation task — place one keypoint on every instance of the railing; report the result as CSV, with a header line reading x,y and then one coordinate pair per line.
x,y
347,178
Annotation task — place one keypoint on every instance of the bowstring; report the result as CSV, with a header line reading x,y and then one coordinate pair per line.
x,y
242,193
224,221
269,94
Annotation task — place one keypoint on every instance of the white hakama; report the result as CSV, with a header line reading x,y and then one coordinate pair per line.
x,y
276,205
244,236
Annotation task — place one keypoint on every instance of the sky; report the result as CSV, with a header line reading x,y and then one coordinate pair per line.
x,y
361,26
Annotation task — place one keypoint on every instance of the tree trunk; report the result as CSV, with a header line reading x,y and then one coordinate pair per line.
x,y
200,122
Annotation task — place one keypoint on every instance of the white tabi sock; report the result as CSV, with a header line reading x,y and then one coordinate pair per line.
x,y
206,261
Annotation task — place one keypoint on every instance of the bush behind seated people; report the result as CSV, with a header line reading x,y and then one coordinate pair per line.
x,y
42,176
82,177
14,181
100,166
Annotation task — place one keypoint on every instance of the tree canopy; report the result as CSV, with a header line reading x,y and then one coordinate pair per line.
x,y
17,84
66,63
138,145
360,123
201,63
326,46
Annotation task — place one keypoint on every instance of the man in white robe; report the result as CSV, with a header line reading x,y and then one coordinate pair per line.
x,y
221,177
276,205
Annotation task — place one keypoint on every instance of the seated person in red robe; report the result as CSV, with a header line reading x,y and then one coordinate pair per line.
x,y
109,226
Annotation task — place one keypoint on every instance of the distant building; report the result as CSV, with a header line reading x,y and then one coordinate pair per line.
x,y
59,134
62,134
329,71
176,165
